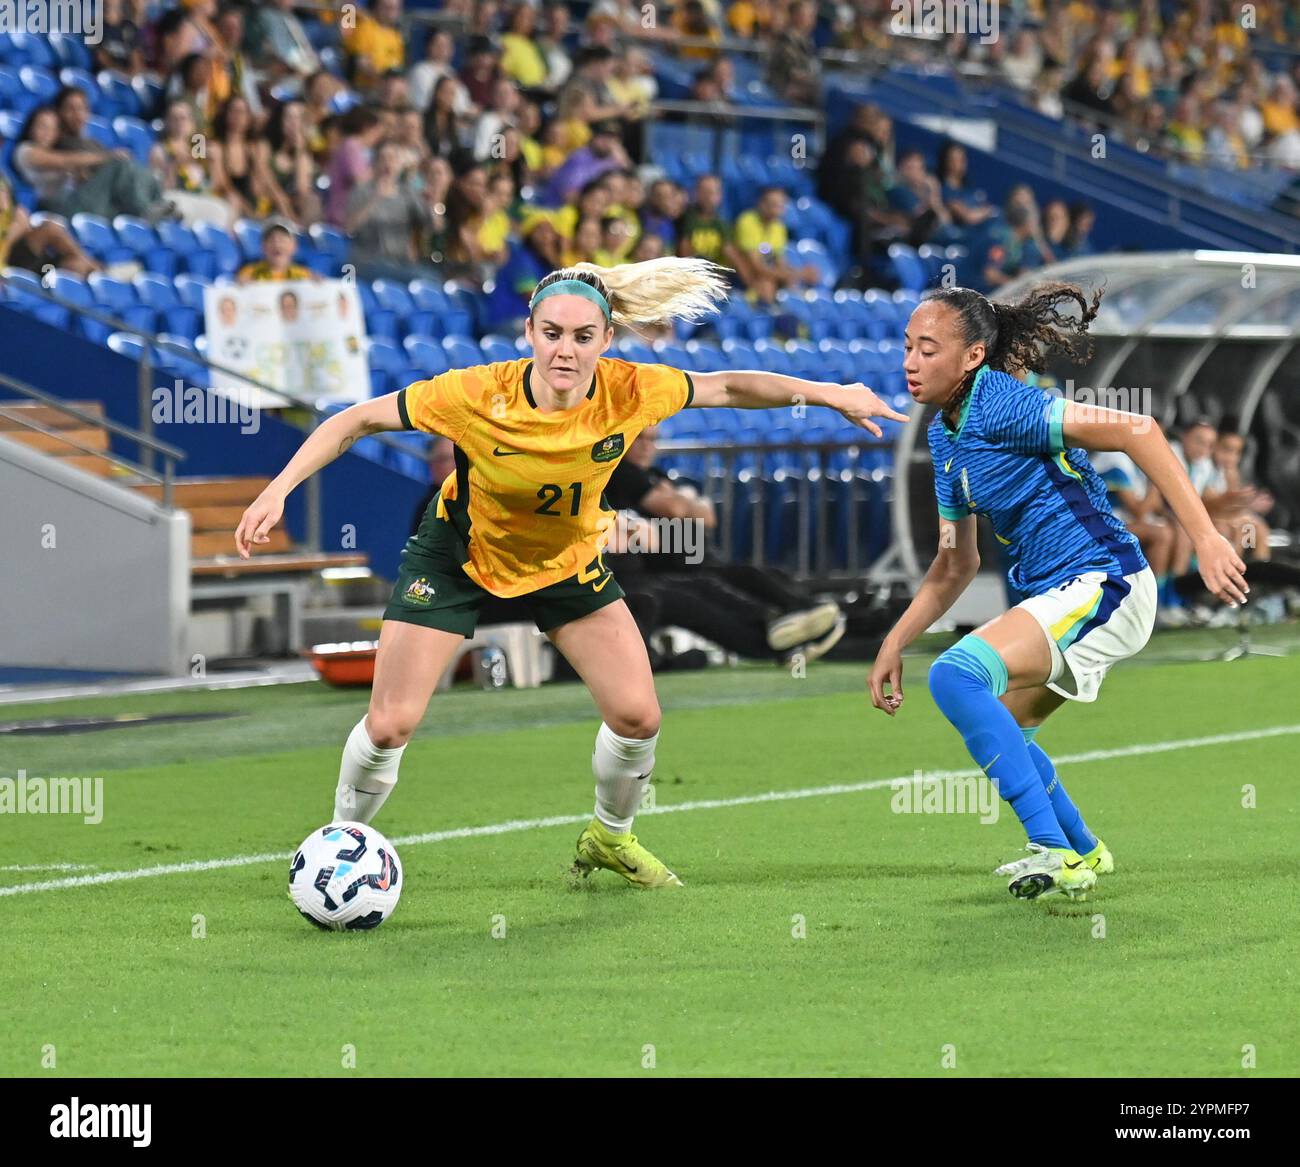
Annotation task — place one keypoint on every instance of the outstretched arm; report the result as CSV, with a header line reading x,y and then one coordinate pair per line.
x,y
755,390
955,564
333,437
1091,427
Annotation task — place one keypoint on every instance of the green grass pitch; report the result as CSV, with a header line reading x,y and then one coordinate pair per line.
x,y
817,935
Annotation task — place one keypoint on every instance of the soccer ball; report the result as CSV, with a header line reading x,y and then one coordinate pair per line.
x,y
345,877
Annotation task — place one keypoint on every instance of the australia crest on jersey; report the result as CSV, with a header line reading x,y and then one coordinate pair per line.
x,y
607,449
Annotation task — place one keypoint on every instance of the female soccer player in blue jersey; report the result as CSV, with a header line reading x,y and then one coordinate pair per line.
x,y
1018,455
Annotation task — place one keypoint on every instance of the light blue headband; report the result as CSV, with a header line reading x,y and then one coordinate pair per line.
x,y
572,288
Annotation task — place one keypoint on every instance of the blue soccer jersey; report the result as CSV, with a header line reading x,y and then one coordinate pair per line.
x,y
1007,460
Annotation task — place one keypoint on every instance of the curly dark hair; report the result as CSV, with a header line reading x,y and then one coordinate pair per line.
x,y
1025,336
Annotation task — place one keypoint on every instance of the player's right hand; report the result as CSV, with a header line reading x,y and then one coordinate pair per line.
x,y
1222,570
887,672
262,514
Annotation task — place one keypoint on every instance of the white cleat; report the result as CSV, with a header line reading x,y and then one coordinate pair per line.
x,y
1047,871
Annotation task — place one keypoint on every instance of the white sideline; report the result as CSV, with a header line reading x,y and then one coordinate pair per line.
x,y
514,825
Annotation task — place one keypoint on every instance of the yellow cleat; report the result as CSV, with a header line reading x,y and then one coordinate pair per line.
x,y
1100,859
598,846
1047,871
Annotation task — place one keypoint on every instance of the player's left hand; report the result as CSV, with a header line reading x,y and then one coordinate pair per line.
x,y
1222,570
859,404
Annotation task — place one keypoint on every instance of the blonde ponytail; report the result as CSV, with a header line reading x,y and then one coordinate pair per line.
x,y
655,290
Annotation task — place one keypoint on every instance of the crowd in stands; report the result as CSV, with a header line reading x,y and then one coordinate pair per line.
x,y
1212,454
1205,81
509,149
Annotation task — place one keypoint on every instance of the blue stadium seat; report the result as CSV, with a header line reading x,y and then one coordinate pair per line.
x,y
97,236
498,348
330,240
426,354
112,293
462,352
70,50
189,289
149,94
212,238
39,82
249,235
101,130
78,78
907,265
155,291
35,50
126,345
630,348
10,89
145,242
118,94
384,354
135,136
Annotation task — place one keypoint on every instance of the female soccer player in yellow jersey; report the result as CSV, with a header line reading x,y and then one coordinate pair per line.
x,y
536,441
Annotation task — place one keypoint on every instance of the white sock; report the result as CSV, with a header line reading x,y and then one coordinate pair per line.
x,y
622,766
367,776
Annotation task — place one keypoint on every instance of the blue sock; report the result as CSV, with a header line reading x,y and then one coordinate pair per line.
x,y
1067,814
966,682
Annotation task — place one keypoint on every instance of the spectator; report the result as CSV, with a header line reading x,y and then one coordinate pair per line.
x,y
917,196
393,93
1183,131
72,173
278,43
750,18
434,187
481,72
592,73
278,247
761,238
694,23
375,44
122,48
794,71
437,64
1242,506
179,158
192,84
1140,507
1024,60
1056,228
704,233
241,168
446,132
473,252
319,91
604,153
37,246
1092,87
663,211
1018,246
1082,220
585,244
967,207
349,161
551,42
292,164
504,109
521,58
386,218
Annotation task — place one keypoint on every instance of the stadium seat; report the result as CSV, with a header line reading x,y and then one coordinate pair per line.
x,y
101,130
498,348
149,95
39,82
135,136
212,238
249,235
126,345
189,289
384,354
118,94
907,265
330,240
97,236
70,51
35,50
462,352
155,291
426,354
76,78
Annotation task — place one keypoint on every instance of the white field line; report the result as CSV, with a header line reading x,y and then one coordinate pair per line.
x,y
515,825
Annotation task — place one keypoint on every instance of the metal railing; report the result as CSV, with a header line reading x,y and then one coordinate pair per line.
x,y
812,468
145,387
146,445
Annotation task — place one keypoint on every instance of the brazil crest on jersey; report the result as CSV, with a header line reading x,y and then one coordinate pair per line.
x,y
1007,460
527,494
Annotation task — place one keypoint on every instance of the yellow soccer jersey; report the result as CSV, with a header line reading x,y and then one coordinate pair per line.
x,y
528,493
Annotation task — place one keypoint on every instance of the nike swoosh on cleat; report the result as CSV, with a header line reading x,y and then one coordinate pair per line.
x,y
1072,866
500,453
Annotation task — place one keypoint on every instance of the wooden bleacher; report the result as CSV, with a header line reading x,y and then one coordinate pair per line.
x,y
278,567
